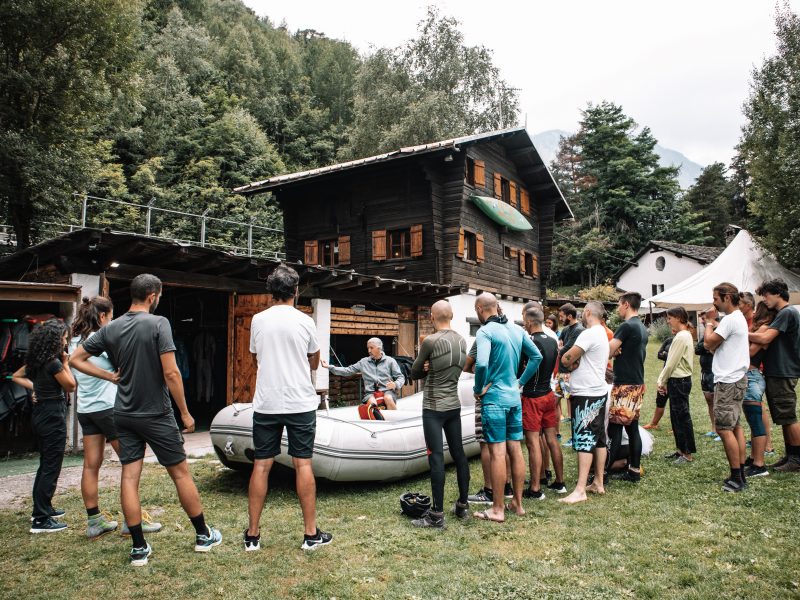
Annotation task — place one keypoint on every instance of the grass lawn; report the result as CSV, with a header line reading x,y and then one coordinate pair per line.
x,y
676,535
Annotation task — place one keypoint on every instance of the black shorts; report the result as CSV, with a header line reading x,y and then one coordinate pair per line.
x,y
161,433
99,423
707,381
588,422
301,428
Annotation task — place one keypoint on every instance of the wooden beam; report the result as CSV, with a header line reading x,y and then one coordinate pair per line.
x,y
188,280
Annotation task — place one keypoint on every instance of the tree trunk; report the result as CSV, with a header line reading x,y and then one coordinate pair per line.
x,y
21,209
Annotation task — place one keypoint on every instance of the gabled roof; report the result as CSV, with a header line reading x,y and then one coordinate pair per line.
x,y
702,254
516,140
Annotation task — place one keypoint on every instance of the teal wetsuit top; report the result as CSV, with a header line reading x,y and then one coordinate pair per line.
x,y
500,346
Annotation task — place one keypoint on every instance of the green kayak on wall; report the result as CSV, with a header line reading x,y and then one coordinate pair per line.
x,y
502,213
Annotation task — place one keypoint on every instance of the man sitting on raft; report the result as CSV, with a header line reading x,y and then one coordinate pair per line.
x,y
381,375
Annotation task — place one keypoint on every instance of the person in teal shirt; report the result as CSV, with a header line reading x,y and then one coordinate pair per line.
x,y
500,345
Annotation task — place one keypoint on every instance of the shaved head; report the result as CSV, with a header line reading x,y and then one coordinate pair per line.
x,y
486,301
442,312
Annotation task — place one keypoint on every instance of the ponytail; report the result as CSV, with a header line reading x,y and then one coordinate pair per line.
x,y
87,320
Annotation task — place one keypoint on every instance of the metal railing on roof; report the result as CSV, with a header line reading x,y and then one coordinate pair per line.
x,y
253,240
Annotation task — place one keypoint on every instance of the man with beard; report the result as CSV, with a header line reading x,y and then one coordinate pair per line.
x,y
139,344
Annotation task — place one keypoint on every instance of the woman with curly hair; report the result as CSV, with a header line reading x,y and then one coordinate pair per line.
x,y
46,372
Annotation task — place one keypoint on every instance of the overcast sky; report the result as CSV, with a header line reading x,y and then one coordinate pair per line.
x,y
681,67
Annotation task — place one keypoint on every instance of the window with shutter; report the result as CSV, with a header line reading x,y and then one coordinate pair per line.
x,y
379,245
524,202
480,256
310,256
344,249
498,186
460,252
416,241
480,174
512,188
328,252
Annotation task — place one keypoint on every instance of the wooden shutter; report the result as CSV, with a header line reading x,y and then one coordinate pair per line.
x,y
416,241
460,252
480,173
498,186
524,202
521,262
344,249
512,187
311,255
379,245
535,266
480,256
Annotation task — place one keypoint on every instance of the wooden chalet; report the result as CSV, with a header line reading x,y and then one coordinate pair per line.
x,y
410,212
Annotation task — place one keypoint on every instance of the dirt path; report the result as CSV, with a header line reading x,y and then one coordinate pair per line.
x,y
15,490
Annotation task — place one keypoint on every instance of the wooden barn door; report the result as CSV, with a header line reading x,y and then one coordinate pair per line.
x,y
241,364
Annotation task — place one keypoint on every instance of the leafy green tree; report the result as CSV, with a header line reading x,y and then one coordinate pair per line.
x,y
62,63
712,197
769,147
620,196
431,88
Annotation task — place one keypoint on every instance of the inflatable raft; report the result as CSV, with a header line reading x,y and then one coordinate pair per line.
x,y
346,447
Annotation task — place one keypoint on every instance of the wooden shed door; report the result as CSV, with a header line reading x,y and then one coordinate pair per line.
x,y
241,365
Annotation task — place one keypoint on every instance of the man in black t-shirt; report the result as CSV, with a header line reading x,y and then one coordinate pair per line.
x,y
539,412
139,344
782,369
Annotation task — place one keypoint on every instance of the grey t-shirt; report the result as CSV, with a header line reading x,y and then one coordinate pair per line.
x,y
446,352
134,344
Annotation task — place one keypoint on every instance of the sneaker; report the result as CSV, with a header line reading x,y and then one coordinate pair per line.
x,y
681,460
148,525
251,543
533,495
568,443
482,496
461,511
748,462
717,439
430,519
204,543
558,487
139,556
756,471
673,456
709,434
312,542
99,525
733,486
781,461
790,466
55,513
508,491
770,452
631,476
48,525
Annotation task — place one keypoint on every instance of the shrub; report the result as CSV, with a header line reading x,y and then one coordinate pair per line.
x,y
660,329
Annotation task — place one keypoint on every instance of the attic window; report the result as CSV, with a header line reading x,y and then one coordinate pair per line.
x,y
660,262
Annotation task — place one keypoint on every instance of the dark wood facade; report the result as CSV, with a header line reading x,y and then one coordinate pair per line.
x,y
424,193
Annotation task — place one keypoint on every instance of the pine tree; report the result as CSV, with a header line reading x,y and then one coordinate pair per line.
x,y
712,198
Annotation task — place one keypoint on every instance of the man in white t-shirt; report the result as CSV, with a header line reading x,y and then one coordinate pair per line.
x,y
283,341
588,359
729,343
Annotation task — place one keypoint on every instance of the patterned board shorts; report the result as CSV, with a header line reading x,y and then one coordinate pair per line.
x,y
626,402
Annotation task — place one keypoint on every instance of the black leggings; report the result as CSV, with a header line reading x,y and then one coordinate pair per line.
x,y
433,422
634,443
678,389
49,420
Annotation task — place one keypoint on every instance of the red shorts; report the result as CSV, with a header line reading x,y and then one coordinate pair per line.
x,y
540,413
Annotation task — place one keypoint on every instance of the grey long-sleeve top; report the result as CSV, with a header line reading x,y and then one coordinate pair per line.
x,y
374,372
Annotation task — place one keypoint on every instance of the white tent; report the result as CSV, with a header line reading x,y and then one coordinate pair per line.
x,y
743,263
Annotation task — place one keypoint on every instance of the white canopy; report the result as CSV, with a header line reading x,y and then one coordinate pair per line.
x,y
743,263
